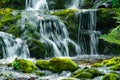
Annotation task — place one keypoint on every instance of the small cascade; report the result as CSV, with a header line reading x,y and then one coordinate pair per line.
x,y
12,48
76,4
52,32
36,4
87,34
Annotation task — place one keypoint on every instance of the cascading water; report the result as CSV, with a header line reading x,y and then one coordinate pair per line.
x,y
76,4
11,47
52,32
87,34
36,4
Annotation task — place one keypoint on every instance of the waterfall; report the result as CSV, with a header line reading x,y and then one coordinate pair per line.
x,y
36,4
87,34
11,47
52,32
76,4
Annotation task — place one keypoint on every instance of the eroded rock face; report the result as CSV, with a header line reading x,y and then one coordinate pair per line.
x,y
57,64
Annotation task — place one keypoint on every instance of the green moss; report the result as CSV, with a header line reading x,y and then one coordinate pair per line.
x,y
42,64
37,48
57,64
87,73
62,64
112,62
97,65
111,76
14,30
70,19
24,65
116,67
84,75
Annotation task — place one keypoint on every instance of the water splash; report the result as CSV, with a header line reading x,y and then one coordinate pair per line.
x,y
52,32
36,4
11,47
87,35
76,4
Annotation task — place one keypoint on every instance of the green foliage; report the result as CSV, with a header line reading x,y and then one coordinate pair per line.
x,y
14,4
111,76
16,64
24,65
113,36
14,30
115,4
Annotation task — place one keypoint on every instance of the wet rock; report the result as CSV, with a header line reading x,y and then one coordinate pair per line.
x,y
88,73
24,65
111,76
97,65
57,64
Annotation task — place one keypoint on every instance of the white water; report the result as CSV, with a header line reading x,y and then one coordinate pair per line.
x,y
76,4
12,48
88,28
52,32
36,4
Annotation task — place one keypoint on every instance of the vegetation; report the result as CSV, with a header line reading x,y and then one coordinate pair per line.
x,y
87,73
57,64
24,65
111,76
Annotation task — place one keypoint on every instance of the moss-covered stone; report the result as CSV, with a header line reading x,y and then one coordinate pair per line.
x,y
97,65
87,73
42,64
62,64
36,48
116,67
111,76
112,62
24,65
14,30
57,64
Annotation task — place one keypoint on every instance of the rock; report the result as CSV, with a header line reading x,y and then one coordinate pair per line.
x,y
115,67
111,76
57,64
42,64
112,62
87,73
97,65
24,65
62,64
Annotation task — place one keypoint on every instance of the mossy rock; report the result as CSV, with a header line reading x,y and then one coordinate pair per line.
x,y
57,64
87,73
111,76
112,62
24,65
36,48
115,67
62,64
42,64
97,65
